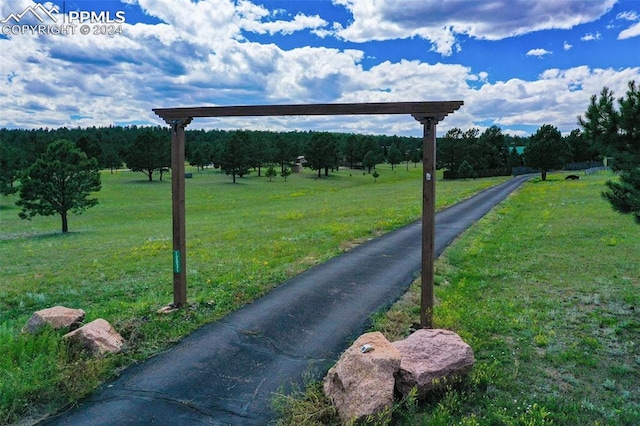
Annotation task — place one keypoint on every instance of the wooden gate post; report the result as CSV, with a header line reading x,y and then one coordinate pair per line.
x,y
428,219
178,211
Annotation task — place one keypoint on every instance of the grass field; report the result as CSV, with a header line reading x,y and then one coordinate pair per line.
x,y
546,290
116,263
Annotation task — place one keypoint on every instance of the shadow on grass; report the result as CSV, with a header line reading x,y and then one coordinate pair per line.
x,y
231,183
8,202
39,236
332,176
147,182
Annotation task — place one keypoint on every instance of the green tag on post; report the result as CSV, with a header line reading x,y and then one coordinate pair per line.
x,y
176,261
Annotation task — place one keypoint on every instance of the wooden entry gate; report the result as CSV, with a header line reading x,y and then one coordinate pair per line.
x,y
427,113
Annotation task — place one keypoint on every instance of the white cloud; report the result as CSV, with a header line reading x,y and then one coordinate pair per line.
x,y
253,21
197,57
632,31
312,74
557,97
628,16
299,23
220,20
539,52
203,22
442,22
566,46
591,37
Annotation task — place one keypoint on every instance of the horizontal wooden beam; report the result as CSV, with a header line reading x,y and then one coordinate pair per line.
x,y
435,109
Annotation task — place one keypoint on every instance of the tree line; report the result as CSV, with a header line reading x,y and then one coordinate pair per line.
x,y
148,149
471,154
56,170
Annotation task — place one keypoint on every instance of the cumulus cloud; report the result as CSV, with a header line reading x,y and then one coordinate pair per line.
x,y
199,55
442,22
299,23
566,46
632,31
591,37
539,52
557,96
628,16
261,21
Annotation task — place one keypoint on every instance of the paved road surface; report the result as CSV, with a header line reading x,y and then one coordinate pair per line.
x,y
227,371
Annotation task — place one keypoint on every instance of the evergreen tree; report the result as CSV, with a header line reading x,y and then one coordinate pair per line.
x,y
11,165
369,144
492,147
199,156
270,173
284,150
449,150
150,152
234,159
465,170
617,134
351,149
580,149
285,173
88,144
370,160
416,157
394,157
546,150
321,152
60,181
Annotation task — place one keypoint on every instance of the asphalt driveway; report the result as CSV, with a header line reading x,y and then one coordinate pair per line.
x,y
226,372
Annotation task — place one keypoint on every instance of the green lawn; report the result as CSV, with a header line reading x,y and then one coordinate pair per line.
x,y
116,261
546,290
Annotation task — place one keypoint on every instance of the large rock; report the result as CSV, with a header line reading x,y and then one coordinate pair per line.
x,y
430,358
362,383
57,317
98,337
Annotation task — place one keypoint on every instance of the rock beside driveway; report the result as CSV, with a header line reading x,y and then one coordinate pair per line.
x,y
361,383
98,337
430,358
57,317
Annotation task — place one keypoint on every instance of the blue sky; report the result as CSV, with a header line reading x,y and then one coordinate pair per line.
x,y
517,64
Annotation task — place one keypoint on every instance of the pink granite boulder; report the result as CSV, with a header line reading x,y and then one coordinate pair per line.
x,y
58,318
361,383
98,337
431,357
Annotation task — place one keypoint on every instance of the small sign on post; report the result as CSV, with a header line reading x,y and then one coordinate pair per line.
x,y
176,261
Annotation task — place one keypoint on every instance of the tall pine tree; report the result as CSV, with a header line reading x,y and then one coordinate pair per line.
x,y
616,132
61,180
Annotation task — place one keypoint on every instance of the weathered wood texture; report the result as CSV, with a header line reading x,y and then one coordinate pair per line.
x,y
435,109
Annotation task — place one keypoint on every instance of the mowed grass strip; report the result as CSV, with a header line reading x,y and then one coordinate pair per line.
x,y
116,261
546,289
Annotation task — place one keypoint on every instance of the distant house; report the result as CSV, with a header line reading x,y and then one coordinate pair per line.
x,y
300,162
